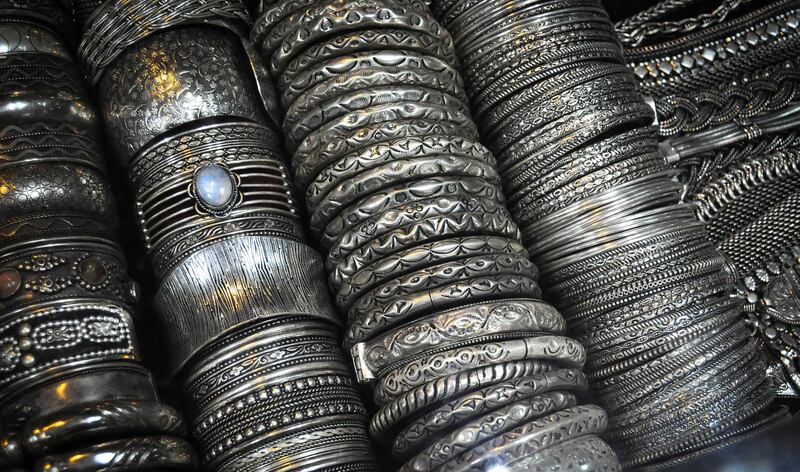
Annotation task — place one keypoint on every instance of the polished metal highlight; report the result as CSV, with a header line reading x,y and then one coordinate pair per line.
x,y
251,336
74,394
440,298
624,259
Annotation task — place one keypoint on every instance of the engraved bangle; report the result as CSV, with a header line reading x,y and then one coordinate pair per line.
x,y
365,325
487,427
417,433
334,109
582,452
398,38
464,324
532,438
401,196
322,21
111,380
94,330
389,416
292,87
395,173
219,86
348,124
435,276
561,351
115,25
422,256
403,216
444,80
240,292
313,156
416,234
409,150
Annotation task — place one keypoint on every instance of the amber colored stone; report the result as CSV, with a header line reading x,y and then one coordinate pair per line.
x,y
10,281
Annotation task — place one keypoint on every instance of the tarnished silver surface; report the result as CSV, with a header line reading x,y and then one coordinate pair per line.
x,y
440,298
250,334
73,392
624,259
726,97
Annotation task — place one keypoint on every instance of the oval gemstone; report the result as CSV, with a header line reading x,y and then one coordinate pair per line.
x,y
214,186
93,270
10,281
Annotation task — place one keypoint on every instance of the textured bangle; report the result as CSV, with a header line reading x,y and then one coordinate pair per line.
x,y
466,324
486,427
562,351
135,454
187,85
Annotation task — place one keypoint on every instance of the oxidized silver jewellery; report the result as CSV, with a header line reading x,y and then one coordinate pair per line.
x,y
74,395
736,141
625,262
469,368
250,330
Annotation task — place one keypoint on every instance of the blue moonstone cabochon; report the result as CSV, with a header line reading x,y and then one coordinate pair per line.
x,y
214,185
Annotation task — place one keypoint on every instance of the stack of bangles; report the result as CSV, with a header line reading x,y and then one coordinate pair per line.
x,y
74,396
253,340
470,370
728,106
631,269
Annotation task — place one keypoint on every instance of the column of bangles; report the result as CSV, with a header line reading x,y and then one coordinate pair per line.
x,y
470,369
252,334
631,269
728,116
73,394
